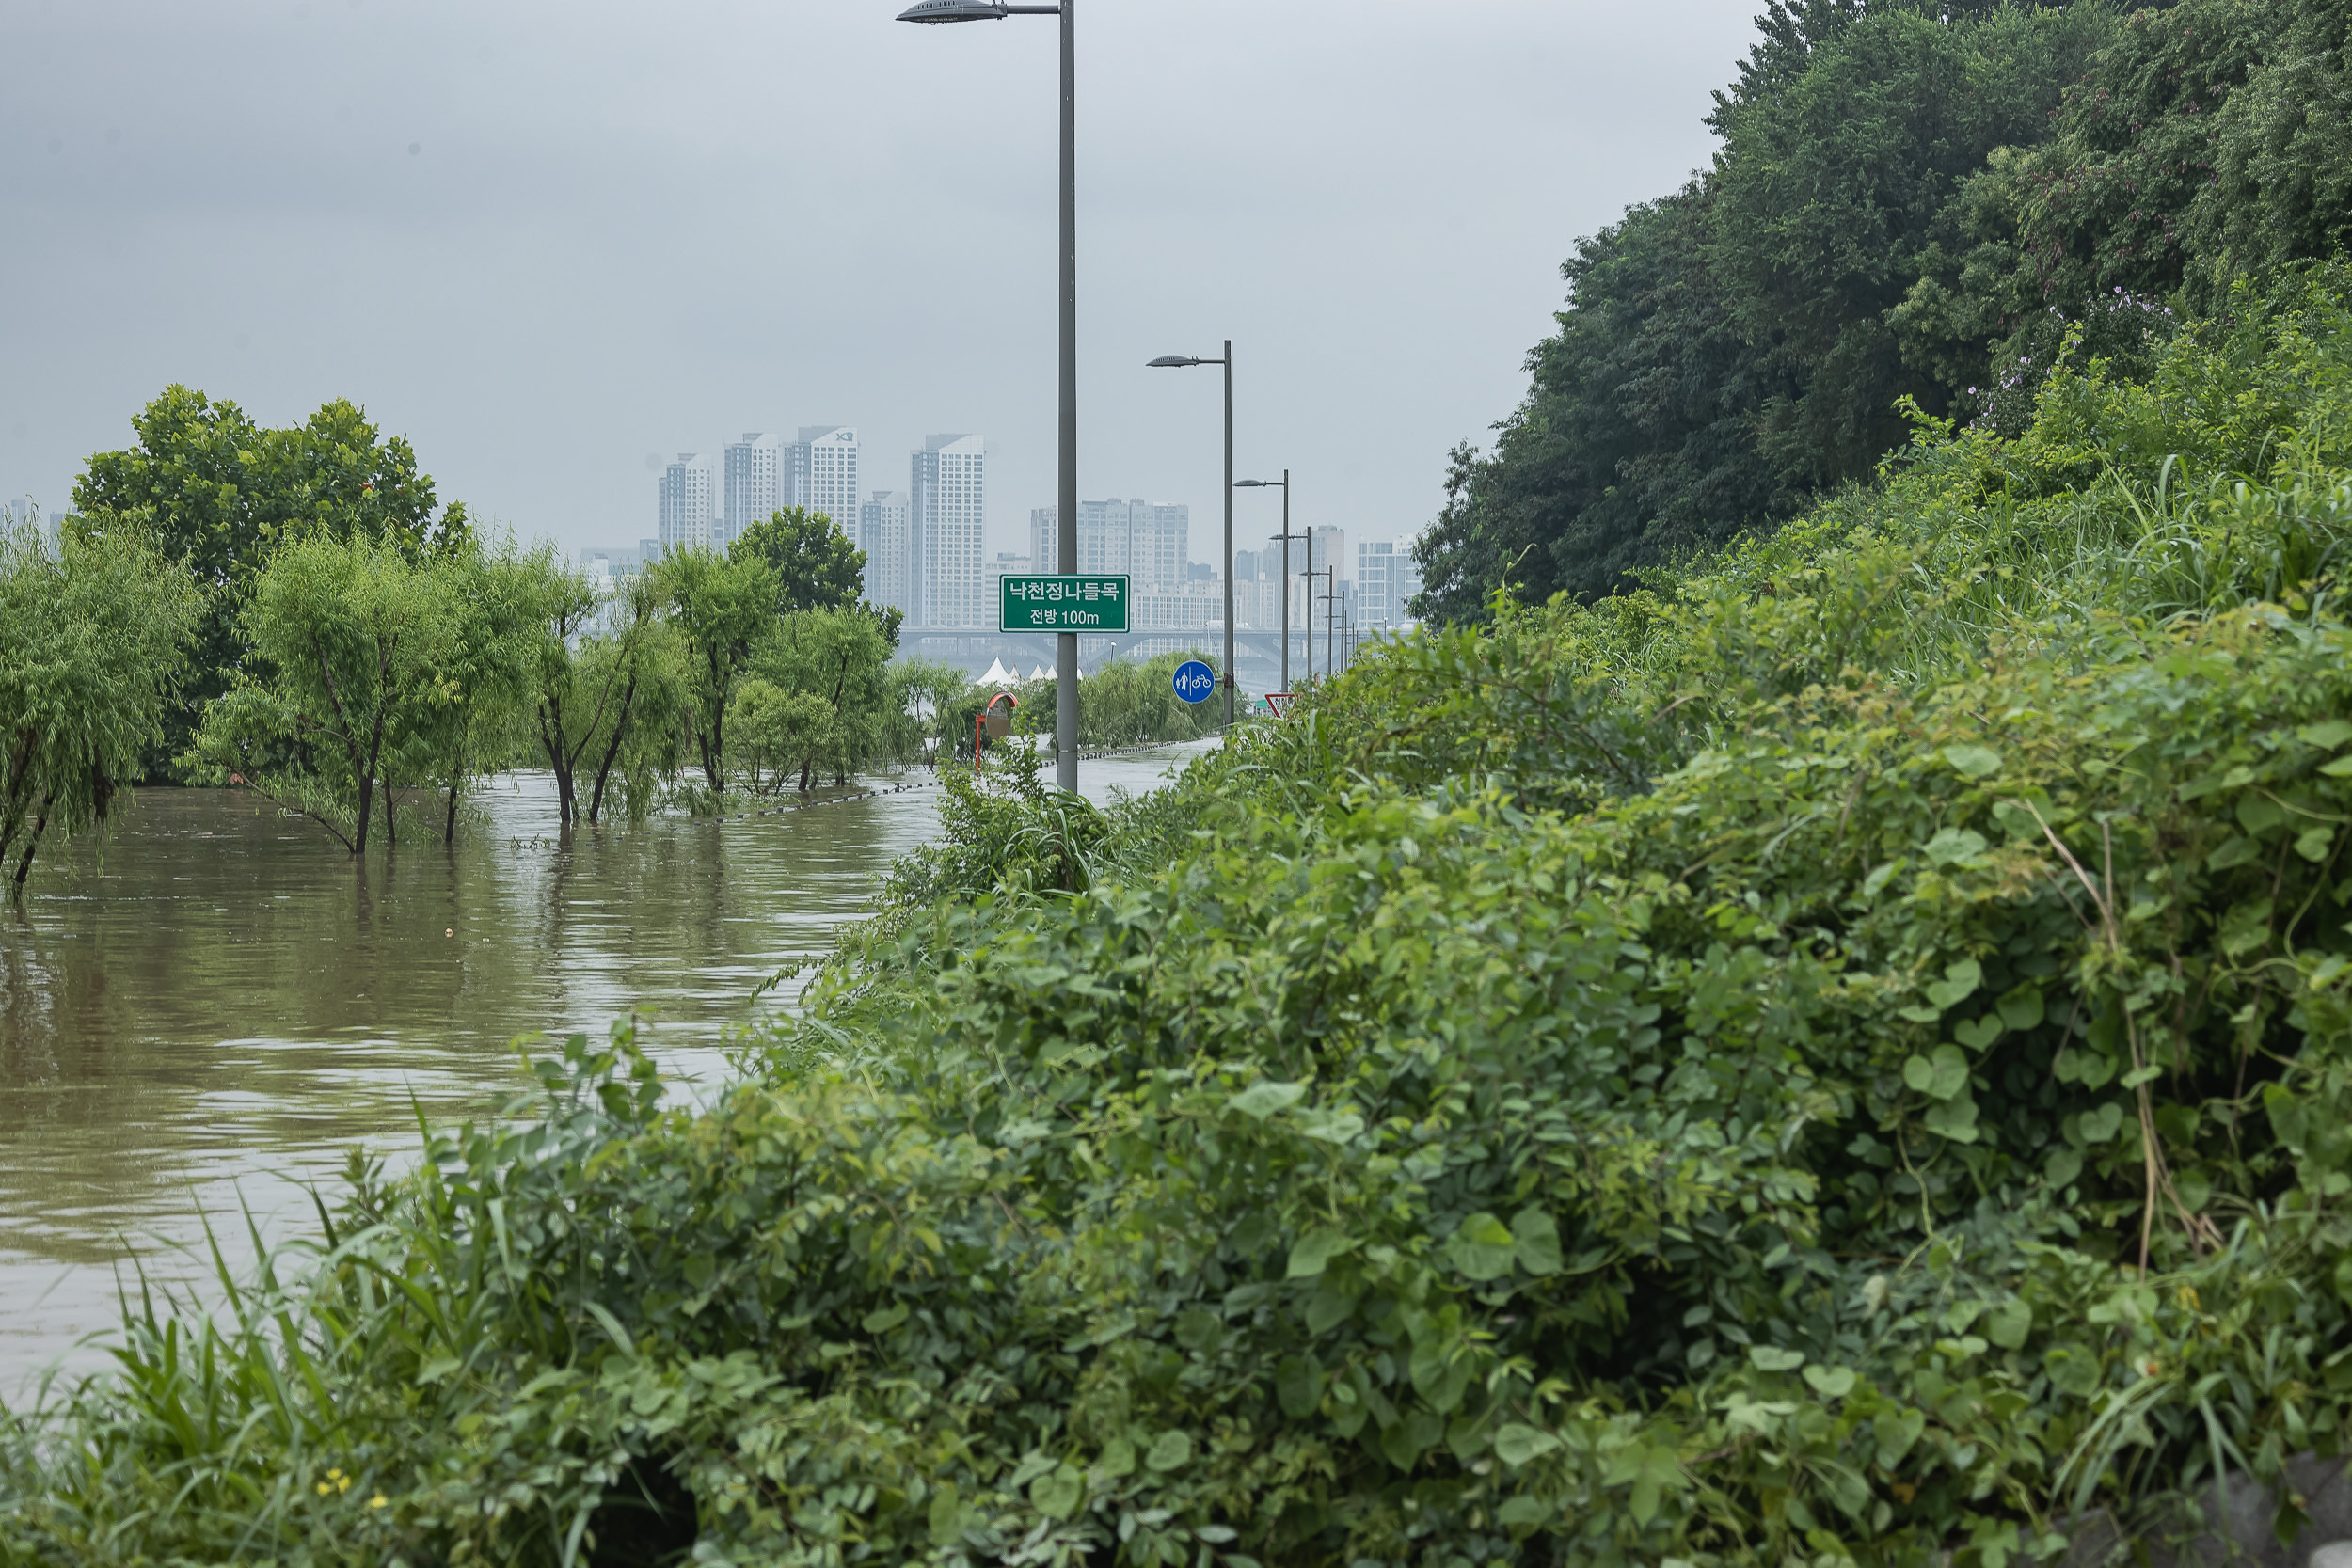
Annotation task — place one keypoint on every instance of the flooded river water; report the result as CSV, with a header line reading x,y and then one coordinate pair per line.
x,y
216,1009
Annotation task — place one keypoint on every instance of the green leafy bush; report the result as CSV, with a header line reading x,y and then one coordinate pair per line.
x,y
1843,1057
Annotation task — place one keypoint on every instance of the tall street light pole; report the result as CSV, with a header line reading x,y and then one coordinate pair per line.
x,y
1307,603
1285,536
1066,514
1332,615
1179,362
1307,600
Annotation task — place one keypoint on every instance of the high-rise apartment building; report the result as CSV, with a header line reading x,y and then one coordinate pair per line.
x,y
1044,538
1158,541
1326,546
753,481
820,473
950,522
1375,583
1147,541
688,502
1387,579
1408,587
885,531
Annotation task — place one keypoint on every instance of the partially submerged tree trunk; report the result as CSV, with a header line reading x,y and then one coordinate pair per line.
x,y
710,740
620,728
11,807
33,843
367,804
457,768
364,768
559,749
840,682
456,765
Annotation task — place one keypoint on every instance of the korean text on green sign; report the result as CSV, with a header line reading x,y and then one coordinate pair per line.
x,y
1062,602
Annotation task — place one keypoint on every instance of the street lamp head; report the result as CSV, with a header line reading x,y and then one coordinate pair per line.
x,y
954,10
1255,485
1170,361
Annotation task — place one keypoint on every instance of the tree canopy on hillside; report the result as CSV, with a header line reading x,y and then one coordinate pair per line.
x,y
1912,200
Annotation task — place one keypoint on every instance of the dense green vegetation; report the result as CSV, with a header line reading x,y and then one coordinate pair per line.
x,y
1837,1056
369,671
1908,201
368,668
1833,1050
221,494
93,631
365,657
361,655
605,696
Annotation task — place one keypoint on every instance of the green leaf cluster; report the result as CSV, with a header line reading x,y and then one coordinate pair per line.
x,y
819,700
815,566
605,679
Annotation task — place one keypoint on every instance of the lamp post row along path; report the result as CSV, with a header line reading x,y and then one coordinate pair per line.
x,y
1066,489
1285,536
1173,361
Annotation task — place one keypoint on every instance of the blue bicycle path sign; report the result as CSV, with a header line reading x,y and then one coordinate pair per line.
x,y
1194,681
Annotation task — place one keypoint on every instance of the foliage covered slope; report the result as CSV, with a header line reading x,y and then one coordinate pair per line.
x,y
1909,199
1842,1057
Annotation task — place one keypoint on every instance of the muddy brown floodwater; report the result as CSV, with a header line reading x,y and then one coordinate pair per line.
x,y
206,1018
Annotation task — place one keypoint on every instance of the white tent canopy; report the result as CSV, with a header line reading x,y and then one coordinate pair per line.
x,y
997,675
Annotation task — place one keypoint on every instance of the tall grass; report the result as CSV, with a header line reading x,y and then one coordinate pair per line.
x,y
341,1400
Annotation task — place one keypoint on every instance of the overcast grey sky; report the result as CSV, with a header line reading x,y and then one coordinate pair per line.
x,y
556,244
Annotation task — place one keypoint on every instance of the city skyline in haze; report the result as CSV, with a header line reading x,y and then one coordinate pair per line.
x,y
555,248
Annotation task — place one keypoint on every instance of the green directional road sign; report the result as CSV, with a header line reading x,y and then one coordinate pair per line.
x,y
1062,602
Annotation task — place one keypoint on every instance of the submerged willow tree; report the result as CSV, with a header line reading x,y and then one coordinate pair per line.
x,y
93,634
722,610
466,714
605,681
817,700
347,636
